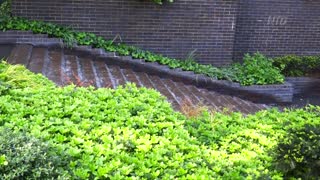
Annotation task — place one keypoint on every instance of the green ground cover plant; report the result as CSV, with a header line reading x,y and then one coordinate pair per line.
x,y
133,133
71,38
27,157
298,154
293,65
258,69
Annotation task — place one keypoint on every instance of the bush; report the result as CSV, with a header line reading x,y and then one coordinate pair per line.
x,y
161,1
293,65
25,157
298,153
133,133
17,76
5,8
258,69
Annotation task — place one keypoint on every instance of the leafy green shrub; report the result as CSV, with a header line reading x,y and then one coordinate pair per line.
x,y
17,76
258,69
5,8
298,153
161,1
293,65
133,133
26,157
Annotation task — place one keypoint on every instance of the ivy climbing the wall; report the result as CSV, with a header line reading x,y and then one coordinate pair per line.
x,y
5,8
161,1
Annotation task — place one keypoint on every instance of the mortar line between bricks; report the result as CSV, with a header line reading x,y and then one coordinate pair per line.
x,y
177,89
201,94
249,107
199,100
182,85
110,75
138,78
124,77
236,104
28,58
171,99
248,104
63,68
46,63
208,98
148,79
153,85
169,90
94,70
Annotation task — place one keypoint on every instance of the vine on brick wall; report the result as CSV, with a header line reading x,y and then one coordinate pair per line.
x,y
5,8
161,1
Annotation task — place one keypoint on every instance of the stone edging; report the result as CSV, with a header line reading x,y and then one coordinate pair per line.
x,y
304,84
258,93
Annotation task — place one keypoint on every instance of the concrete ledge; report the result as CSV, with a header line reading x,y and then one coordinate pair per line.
x,y
27,37
282,93
304,84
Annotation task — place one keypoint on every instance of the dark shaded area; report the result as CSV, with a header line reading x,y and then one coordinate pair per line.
x,y
301,100
5,51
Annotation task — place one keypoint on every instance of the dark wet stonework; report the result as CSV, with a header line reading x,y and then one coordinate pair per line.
x,y
68,66
5,50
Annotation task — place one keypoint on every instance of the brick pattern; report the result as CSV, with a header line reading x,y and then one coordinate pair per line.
x,y
278,28
172,29
27,37
262,94
220,30
65,66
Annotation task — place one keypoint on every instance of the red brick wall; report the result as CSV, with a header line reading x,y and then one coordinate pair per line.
x,y
220,30
172,29
278,27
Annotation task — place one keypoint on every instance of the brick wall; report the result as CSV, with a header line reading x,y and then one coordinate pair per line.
x,y
278,27
172,29
220,30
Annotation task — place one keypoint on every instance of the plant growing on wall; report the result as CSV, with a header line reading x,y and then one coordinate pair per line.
x,y
5,8
161,1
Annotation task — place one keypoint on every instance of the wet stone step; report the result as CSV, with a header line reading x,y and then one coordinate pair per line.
x,y
54,71
70,70
144,80
190,97
36,63
180,96
131,77
204,100
117,75
87,75
158,84
103,74
20,54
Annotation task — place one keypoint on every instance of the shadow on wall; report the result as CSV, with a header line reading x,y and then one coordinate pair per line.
x,y
5,51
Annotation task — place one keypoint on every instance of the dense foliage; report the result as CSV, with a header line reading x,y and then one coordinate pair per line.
x,y
5,8
298,154
258,69
161,1
27,157
293,65
133,133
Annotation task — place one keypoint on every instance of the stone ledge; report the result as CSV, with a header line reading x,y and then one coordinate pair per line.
x,y
282,93
304,84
